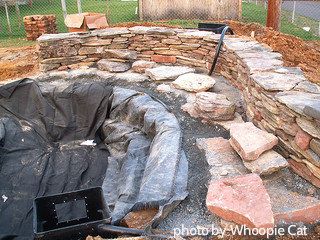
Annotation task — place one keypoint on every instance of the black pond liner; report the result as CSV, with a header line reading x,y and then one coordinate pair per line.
x,y
137,159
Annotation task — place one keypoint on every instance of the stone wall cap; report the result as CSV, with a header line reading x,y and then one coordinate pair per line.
x,y
195,34
271,81
296,100
307,86
62,36
111,31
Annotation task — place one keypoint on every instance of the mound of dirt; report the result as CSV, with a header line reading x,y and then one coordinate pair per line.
x,y
17,62
295,51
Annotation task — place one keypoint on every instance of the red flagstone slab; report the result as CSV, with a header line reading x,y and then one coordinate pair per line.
x,y
249,141
243,200
290,206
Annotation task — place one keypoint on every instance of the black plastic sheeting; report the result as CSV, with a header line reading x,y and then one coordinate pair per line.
x,y
137,160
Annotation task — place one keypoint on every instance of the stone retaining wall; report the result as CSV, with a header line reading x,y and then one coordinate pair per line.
x,y
278,99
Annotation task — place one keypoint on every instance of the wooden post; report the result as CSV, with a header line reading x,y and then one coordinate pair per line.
x,y
293,11
79,6
7,14
274,14
108,13
18,13
64,8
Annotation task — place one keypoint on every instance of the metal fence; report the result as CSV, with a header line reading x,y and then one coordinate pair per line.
x,y
300,18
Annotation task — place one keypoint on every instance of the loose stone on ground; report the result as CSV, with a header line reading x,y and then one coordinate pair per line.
x,y
240,200
249,141
167,72
107,65
193,82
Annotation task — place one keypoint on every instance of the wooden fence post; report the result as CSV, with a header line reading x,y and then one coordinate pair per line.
x,y
64,8
79,6
274,14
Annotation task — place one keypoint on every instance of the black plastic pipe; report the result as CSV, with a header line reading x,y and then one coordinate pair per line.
x,y
219,48
120,230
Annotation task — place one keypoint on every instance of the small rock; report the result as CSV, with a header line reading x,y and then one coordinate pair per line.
x,y
249,141
163,88
315,146
164,59
139,219
193,82
224,173
267,163
121,54
141,66
226,124
167,72
243,200
310,191
62,68
130,77
302,139
214,106
106,65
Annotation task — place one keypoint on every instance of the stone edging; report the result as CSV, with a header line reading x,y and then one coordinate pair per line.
x,y
278,99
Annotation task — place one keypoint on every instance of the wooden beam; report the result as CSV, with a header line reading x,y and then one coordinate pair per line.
x,y
274,14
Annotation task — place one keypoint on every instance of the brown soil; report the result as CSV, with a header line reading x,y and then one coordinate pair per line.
x,y
17,62
295,51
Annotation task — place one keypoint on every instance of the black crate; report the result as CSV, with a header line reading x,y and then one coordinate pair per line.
x,y
214,27
71,215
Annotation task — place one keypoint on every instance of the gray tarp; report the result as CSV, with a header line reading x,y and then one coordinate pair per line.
x,y
138,158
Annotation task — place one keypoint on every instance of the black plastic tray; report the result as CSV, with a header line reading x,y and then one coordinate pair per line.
x,y
69,215
214,27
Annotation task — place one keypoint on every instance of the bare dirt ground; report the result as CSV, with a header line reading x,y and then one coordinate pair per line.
x,y
17,62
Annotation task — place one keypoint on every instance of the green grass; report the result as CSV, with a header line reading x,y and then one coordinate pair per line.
x,y
120,12
15,41
254,13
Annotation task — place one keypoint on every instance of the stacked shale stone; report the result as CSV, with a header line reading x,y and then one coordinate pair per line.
x,y
36,25
275,96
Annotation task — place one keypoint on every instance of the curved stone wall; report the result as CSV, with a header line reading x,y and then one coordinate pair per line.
x,y
278,99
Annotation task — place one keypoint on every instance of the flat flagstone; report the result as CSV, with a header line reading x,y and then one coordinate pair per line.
x,y
167,72
313,110
243,200
214,106
292,70
249,141
308,86
267,163
226,124
223,161
141,66
106,65
296,100
277,82
261,64
131,77
287,204
193,82
121,54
